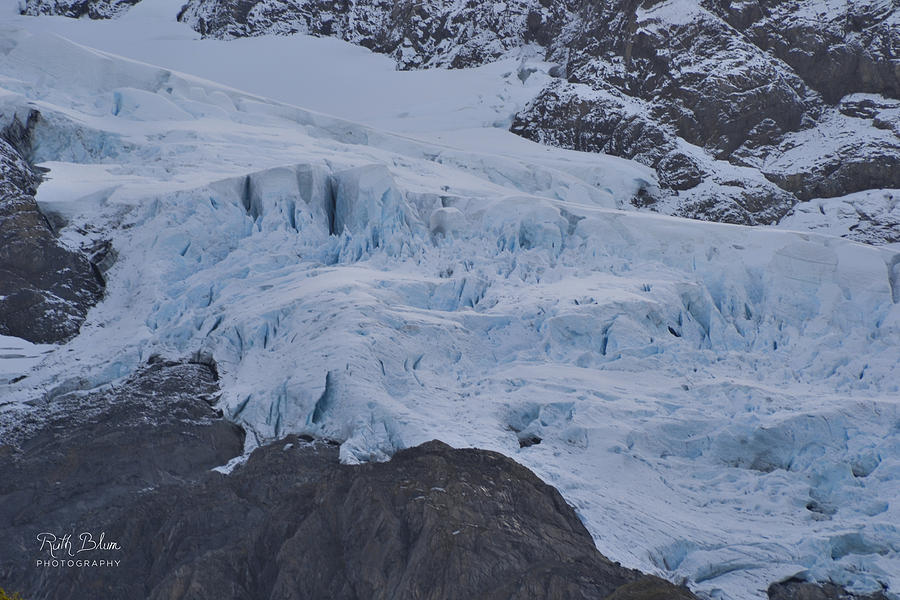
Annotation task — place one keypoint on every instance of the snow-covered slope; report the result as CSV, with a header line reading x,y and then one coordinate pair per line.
x,y
720,403
692,89
743,109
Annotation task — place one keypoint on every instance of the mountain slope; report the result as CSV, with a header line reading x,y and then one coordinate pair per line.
x,y
691,90
717,402
737,106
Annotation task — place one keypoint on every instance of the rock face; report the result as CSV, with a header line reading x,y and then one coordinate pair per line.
x,y
291,522
92,449
98,453
92,9
429,33
794,589
694,89
837,53
45,288
579,117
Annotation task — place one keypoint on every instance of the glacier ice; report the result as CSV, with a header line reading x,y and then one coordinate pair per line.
x,y
719,403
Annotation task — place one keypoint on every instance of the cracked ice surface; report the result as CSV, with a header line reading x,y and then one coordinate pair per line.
x,y
719,403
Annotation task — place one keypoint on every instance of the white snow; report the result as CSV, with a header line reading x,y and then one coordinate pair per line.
x,y
366,87
670,12
804,150
846,216
719,403
18,357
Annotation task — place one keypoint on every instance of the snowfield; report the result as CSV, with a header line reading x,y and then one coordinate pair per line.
x,y
721,404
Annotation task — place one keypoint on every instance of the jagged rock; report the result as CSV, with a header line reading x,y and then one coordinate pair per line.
x,y
597,121
851,47
686,81
741,201
853,155
684,72
679,171
45,288
91,453
870,106
93,9
415,33
883,112
607,121
291,522
852,168
699,76
795,589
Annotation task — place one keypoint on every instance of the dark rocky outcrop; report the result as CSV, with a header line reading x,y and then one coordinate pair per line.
x,y
796,589
863,152
742,81
92,9
46,289
134,463
80,452
836,53
416,34
710,84
609,122
854,167
660,86
98,453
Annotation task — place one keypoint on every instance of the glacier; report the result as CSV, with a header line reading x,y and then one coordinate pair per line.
x,y
721,404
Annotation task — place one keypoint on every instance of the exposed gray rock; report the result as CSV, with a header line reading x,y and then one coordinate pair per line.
x,y
851,168
415,33
844,154
884,112
291,522
796,589
720,75
45,288
82,454
93,9
158,427
837,52
605,121
608,121
713,86
742,200
646,88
